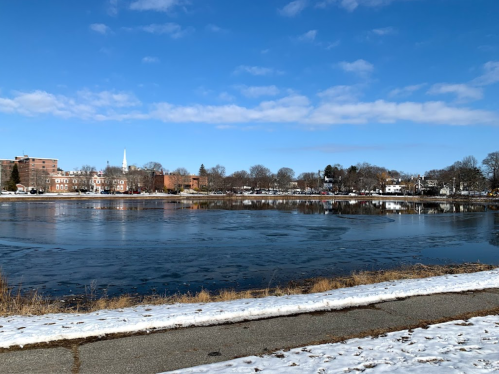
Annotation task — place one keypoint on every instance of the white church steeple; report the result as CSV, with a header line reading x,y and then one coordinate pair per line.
x,y
124,166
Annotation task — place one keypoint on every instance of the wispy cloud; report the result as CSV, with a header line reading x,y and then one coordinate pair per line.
x,y
256,70
351,5
406,91
359,67
384,31
293,8
309,36
100,28
340,94
150,60
112,8
258,91
171,29
490,75
462,91
225,96
156,5
216,29
84,105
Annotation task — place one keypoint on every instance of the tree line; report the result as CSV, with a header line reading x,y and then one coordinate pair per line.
x,y
467,174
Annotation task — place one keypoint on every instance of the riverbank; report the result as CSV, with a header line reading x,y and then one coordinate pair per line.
x,y
35,303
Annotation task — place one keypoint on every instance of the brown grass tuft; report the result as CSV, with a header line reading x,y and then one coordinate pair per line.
x,y
35,304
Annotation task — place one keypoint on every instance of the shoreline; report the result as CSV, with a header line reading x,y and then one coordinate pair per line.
x,y
462,199
36,303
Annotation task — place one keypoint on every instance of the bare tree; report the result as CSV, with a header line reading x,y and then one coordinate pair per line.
x,y
238,180
216,178
491,165
87,172
284,178
149,172
40,180
179,178
112,174
308,180
261,176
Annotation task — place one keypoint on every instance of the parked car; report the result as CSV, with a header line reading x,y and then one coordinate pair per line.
x,y
105,192
21,192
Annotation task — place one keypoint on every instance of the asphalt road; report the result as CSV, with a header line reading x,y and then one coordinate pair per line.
x,y
174,349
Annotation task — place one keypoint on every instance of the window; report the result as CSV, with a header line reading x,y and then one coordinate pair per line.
x,y
66,187
43,162
48,180
43,167
75,181
56,186
65,181
57,181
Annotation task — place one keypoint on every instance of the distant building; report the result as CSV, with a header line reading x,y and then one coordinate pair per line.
x,y
33,171
176,182
72,181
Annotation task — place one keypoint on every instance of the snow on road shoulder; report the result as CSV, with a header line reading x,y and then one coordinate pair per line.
x,y
23,330
452,347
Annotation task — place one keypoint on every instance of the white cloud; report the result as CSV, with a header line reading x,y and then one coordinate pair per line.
x,y
351,5
340,94
309,36
359,67
293,8
257,91
490,75
462,91
338,106
174,30
380,111
150,60
255,70
406,91
384,31
100,28
156,5
108,99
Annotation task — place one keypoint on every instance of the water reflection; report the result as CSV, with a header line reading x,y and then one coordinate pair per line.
x,y
184,245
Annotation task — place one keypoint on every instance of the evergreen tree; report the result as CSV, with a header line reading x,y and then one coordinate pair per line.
x,y
202,171
14,179
329,172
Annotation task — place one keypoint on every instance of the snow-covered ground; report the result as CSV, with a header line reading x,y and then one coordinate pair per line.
x,y
23,330
454,347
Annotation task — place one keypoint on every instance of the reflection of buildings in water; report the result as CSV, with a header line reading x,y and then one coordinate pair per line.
x,y
392,205
446,208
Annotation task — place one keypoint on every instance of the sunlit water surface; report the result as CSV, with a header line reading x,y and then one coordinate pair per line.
x,y
146,246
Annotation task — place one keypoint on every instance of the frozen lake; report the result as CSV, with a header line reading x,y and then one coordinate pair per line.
x,y
144,246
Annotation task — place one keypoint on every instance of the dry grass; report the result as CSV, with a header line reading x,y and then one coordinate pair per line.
x,y
34,304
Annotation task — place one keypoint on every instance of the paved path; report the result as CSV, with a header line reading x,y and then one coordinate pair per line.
x,y
175,349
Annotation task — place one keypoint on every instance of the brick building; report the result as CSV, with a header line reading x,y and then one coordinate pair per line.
x,y
71,181
33,171
176,182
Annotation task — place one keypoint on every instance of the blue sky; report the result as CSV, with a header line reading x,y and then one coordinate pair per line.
x,y
410,85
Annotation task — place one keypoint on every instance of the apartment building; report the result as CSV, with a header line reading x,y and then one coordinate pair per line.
x,y
33,171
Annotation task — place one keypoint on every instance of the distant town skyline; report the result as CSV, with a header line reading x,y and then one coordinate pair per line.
x,y
405,85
